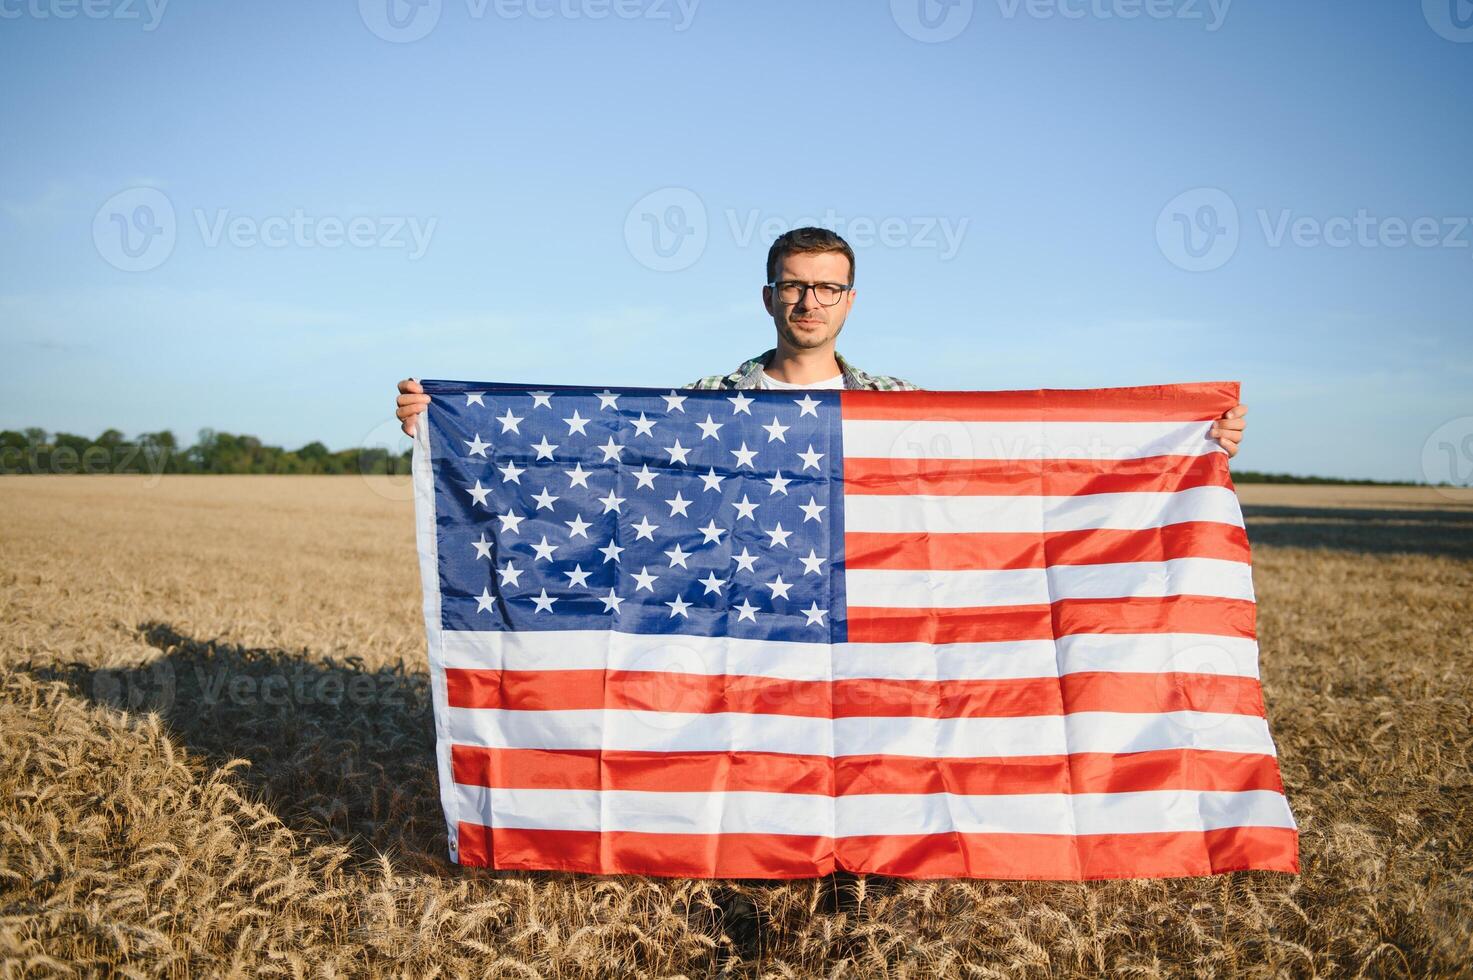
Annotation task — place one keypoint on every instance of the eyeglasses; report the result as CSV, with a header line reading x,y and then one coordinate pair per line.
x,y
827,293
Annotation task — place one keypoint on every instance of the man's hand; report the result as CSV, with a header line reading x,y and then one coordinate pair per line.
x,y
1228,430
413,400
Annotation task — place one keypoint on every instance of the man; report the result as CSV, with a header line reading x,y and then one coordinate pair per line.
x,y
809,293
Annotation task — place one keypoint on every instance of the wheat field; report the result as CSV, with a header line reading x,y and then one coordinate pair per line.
x,y
216,759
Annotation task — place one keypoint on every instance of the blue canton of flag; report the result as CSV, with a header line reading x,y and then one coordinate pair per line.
x,y
705,513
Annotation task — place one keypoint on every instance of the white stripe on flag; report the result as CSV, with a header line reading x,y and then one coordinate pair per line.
x,y
624,729
945,589
544,650
738,812
927,514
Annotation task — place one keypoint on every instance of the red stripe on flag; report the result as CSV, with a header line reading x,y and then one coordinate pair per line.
x,y
1015,856
1169,614
1156,403
1044,856
873,476
998,550
870,697
630,852
774,772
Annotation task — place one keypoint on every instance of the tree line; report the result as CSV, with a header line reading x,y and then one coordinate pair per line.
x,y
34,450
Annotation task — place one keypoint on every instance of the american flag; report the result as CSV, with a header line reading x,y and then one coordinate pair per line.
x,y
774,633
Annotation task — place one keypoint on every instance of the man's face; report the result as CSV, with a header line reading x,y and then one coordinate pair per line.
x,y
805,323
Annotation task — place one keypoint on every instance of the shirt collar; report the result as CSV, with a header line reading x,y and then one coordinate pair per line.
x,y
749,374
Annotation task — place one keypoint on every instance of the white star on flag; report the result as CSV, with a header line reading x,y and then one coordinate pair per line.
x,y
577,424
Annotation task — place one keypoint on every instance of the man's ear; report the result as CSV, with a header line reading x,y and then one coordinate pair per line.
x,y
767,299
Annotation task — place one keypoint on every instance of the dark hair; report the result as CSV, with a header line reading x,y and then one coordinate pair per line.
x,y
802,241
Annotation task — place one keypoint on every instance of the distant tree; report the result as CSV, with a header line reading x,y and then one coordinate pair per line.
x,y
14,452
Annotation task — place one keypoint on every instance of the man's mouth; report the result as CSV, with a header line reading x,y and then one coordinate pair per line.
x,y
809,323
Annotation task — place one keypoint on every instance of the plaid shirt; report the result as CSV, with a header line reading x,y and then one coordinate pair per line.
x,y
749,375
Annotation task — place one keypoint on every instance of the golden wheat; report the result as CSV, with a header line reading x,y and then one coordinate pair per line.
x,y
215,758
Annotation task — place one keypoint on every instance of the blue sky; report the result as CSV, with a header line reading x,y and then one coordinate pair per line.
x,y
319,201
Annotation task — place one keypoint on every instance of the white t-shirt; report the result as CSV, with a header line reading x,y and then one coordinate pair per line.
x,y
768,381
